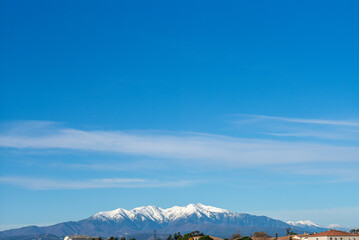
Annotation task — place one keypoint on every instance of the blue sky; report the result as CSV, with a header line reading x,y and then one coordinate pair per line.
x,y
252,106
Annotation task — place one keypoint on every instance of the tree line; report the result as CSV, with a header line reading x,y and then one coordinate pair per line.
x,y
115,238
187,236
235,236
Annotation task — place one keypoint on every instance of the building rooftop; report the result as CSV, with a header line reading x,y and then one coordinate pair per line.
x,y
334,233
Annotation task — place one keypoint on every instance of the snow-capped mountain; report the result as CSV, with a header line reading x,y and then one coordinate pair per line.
x,y
307,225
162,216
303,223
191,217
339,227
140,223
313,227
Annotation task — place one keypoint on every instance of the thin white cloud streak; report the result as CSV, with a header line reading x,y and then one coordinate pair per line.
x,y
300,128
318,134
202,147
306,120
125,167
53,184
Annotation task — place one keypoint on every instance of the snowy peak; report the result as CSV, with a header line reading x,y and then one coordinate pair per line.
x,y
115,214
150,212
187,217
211,209
198,210
162,215
307,226
303,223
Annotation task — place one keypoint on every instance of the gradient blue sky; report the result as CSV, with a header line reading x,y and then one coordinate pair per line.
x,y
252,106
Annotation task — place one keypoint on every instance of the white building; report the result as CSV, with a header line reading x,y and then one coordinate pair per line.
x,y
80,237
334,235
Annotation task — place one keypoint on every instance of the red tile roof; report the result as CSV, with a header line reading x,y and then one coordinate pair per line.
x,y
334,233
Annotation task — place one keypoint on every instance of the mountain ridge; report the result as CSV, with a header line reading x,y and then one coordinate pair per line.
x,y
141,221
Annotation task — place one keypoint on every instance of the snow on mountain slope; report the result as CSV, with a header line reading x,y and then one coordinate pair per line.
x,y
163,215
209,219
339,227
151,212
311,225
303,223
307,226
153,216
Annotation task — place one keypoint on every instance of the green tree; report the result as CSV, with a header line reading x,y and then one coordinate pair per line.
x,y
245,238
177,236
196,233
290,232
169,237
236,235
188,235
192,234
205,237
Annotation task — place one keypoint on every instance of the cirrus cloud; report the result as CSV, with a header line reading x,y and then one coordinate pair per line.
x,y
53,184
217,149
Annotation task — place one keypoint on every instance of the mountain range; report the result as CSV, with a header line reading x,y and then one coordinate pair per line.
x,y
142,221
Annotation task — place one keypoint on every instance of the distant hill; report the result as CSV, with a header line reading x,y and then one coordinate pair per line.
x,y
140,223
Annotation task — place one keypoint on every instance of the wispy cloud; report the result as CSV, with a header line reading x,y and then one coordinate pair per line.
x,y
306,120
203,147
315,134
300,128
53,184
112,166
